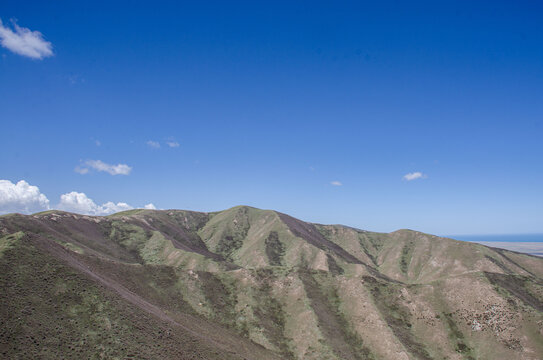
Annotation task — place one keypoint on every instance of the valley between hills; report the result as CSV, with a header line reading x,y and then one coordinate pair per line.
x,y
246,283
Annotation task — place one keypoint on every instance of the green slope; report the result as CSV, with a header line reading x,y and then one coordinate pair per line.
x,y
254,283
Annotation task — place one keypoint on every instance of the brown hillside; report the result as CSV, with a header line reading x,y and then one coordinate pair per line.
x,y
257,284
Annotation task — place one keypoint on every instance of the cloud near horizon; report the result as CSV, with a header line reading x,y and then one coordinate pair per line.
x,y
21,197
27,199
98,165
414,176
80,203
25,42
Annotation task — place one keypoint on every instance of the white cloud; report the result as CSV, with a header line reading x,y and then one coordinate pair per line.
x,y
336,183
21,197
27,199
98,165
153,144
172,144
414,176
81,170
110,207
25,42
79,203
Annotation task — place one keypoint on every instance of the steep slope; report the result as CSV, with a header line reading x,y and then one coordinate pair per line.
x,y
57,303
259,284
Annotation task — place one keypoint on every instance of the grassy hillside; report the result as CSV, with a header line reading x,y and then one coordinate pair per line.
x,y
257,284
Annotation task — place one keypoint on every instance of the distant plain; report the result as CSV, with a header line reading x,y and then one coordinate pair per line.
x,y
526,243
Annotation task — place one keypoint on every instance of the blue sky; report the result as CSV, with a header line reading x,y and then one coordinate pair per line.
x,y
318,110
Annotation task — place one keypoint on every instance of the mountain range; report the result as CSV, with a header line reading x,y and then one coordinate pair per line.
x,y
246,283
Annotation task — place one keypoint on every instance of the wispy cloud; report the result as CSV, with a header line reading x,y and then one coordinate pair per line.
x,y
414,176
76,79
172,144
81,170
153,144
98,165
25,42
336,183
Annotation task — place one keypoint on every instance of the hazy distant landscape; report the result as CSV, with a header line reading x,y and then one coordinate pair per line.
x,y
527,243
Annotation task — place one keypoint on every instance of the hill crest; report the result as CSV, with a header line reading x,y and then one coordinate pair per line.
x,y
283,287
